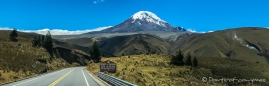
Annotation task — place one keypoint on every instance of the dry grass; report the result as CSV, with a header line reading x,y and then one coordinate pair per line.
x,y
223,44
17,58
152,70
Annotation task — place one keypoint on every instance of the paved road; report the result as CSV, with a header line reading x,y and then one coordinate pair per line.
x,y
75,76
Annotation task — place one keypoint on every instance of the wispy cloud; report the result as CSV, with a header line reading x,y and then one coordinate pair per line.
x,y
5,28
191,30
194,31
210,31
59,31
98,1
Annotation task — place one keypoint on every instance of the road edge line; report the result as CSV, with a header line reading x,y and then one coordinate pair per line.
x,y
97,79
85,77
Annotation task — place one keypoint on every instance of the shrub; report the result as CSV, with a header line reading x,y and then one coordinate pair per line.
x,y
188,60
178,59
13,35
48,44
95,53
195,62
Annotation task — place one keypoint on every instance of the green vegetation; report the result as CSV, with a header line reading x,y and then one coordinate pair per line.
x,y
188,61
13,35
48,44
44,41
194,62
178,59
95,53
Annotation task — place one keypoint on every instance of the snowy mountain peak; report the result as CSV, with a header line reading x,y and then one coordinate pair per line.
x,y
148,16
143,21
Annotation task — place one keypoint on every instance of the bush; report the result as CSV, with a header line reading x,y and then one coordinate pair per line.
x,y
35,42
178,59
44,41
95,53
188,60
48,44
153,52
195,62
13,35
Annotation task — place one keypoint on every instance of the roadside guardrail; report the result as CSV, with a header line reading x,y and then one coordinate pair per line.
x,y
113,80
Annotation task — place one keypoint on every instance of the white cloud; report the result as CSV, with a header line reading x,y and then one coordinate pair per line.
x,y
98,1
194,31
210,31
59,31
191,30
5,28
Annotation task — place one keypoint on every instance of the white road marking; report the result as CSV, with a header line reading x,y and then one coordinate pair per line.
x,y
85,78
37,78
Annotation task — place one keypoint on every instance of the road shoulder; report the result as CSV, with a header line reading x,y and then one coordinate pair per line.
x,y
97,79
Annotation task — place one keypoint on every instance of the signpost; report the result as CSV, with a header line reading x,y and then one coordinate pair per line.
x,y
34,65
108,66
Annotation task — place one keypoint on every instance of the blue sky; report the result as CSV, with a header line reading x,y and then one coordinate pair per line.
x,y
199,15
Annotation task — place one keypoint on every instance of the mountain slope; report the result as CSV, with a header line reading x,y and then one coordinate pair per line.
x,y
17,59
134,44
142,21
247,43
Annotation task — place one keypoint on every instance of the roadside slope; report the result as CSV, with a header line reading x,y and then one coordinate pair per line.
x,y
156,69
19,59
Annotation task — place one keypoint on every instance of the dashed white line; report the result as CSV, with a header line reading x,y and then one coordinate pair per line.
x,y
85,78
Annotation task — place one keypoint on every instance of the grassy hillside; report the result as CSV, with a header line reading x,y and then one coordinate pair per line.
x,y
17,58
232,43
235,43
148,70
134,44
128,45
71,45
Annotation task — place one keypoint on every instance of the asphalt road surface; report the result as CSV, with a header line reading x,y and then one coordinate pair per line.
x,y
75,76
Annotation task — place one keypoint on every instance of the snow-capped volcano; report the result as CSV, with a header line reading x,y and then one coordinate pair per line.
x,y
143,21
147,16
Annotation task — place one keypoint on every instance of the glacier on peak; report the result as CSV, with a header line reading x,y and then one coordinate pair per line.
x,y
148,16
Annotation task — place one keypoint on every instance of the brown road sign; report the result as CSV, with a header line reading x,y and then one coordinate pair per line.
x,y
108,66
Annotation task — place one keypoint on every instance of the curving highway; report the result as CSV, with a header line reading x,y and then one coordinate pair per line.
x,y
75,76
